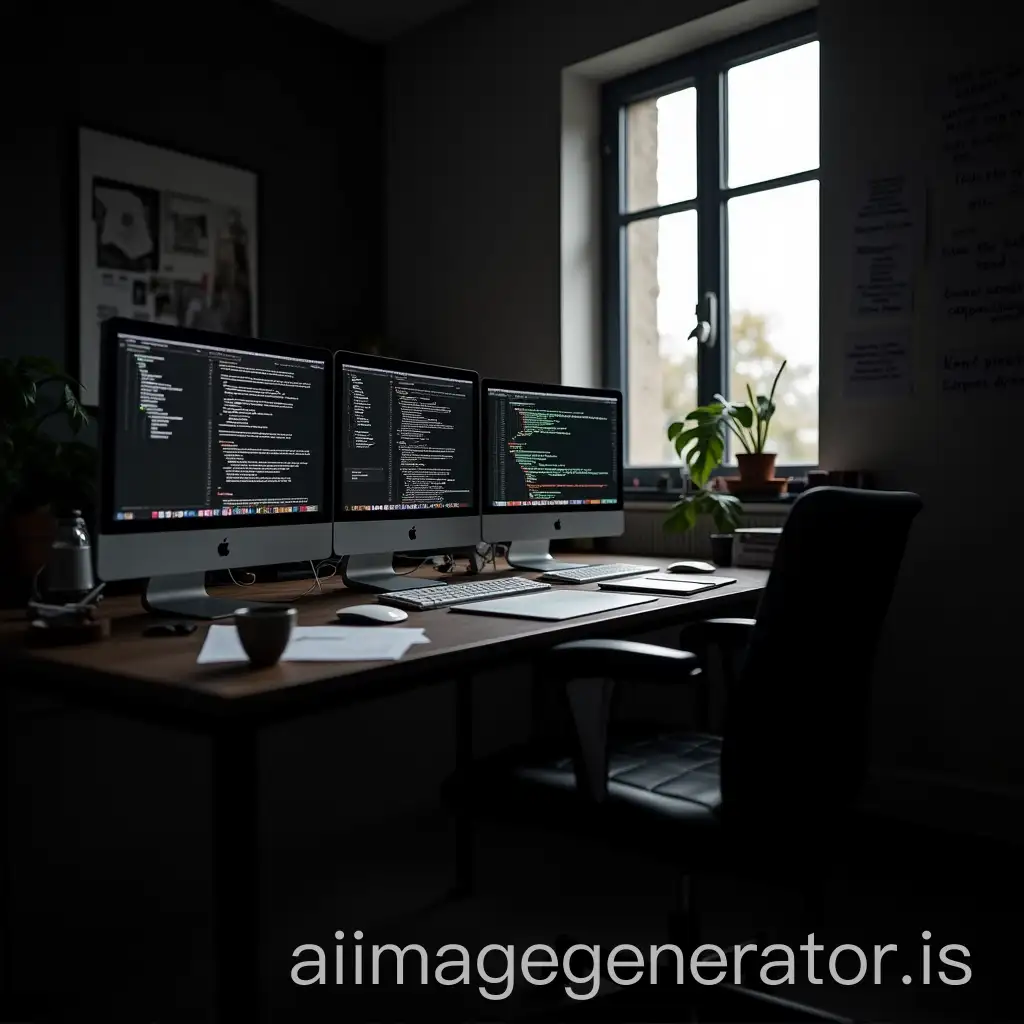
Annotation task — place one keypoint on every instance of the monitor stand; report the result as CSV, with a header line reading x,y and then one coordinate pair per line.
x,y
187,596
376,573
534,556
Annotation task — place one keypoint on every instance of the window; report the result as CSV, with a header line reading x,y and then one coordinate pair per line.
x,y
711,204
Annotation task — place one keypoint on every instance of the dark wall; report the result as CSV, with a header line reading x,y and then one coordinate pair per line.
x,y
244,83
240,81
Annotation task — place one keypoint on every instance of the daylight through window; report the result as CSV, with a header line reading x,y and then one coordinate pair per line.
x,y
712,188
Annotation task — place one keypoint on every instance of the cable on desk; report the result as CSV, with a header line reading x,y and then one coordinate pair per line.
x,y
317,584
493,551
419,565
318,577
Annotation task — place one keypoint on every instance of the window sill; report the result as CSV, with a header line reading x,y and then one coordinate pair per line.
x,y
759,508
642,496
648,478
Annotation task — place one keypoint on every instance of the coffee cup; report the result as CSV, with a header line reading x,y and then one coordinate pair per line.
x,y
264,632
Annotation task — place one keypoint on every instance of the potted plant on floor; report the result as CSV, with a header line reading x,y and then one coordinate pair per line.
x,y
41,477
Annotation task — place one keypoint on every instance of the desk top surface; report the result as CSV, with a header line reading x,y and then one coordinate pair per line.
x,y
165,668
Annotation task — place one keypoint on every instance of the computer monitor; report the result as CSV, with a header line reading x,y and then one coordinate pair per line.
x,y
553,468
214,454
407,478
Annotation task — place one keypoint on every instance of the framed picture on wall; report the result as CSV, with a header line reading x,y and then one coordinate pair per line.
x,y
162,236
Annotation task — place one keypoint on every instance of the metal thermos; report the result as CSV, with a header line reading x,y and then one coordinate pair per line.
x,y
68,576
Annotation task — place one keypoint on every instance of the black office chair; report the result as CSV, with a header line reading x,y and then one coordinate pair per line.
x,y
790,763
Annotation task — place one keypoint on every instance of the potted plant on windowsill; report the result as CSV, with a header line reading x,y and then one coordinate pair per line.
x,y
750,426
704,432
40,477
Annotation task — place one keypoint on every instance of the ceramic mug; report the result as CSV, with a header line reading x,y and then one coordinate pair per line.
x,y
264,632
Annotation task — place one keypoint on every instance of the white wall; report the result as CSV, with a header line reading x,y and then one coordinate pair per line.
x,y
474,188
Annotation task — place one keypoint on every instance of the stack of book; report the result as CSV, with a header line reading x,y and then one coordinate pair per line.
x,y
754,546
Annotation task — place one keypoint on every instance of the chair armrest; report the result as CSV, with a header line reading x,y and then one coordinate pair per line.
x,y
615,659
589,671
726,634
729,637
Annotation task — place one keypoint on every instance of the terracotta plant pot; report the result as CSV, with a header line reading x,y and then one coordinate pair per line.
x,y
756,469
25,543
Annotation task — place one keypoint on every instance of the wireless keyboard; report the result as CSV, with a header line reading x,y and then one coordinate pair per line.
x,y
597,573
425,598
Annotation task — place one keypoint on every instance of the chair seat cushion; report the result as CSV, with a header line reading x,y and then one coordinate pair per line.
x,y
669,779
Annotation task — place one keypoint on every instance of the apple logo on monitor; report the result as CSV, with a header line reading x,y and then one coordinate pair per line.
x,y
412,533
223,548
558,524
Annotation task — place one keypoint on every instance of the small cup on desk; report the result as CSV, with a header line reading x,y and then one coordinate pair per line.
x,y
264,633
721,549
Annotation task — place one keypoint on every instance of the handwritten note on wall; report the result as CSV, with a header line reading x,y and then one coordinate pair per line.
x,y
981,268
877,364
981,131
887,230
980,200
992,372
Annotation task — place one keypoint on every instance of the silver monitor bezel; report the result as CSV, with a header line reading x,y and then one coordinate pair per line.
x,y
172,547
558,522
370,533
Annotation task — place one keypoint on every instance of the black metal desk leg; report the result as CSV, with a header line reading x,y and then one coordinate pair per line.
x,y
236,875
464,826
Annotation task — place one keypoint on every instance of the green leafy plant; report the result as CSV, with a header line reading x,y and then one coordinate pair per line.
x,y
700,438
724,510
36,469
754,435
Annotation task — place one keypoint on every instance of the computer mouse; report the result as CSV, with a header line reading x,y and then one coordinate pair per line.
x,y
694,567
370,615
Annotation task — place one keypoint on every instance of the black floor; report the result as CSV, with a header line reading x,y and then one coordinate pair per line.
x,y
95,945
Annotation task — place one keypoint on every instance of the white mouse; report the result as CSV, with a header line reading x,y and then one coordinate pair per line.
x,y
693,567
370,615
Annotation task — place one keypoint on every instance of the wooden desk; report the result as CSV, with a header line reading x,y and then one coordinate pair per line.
x,y
157,679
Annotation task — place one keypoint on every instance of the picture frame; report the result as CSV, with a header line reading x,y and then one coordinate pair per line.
x,y
160,235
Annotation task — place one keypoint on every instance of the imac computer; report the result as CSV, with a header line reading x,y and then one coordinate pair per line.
x,y
214,454
553,468
407,448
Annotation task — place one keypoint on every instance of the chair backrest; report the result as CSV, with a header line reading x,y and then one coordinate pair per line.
x,y
796,730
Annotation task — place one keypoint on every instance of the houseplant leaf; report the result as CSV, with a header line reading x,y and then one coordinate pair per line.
x,y
705,457
764,410
700,440
682,517
724,509
36,470
75,413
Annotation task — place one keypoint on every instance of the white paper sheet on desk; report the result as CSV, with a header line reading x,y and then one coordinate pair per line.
x,y
319,643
